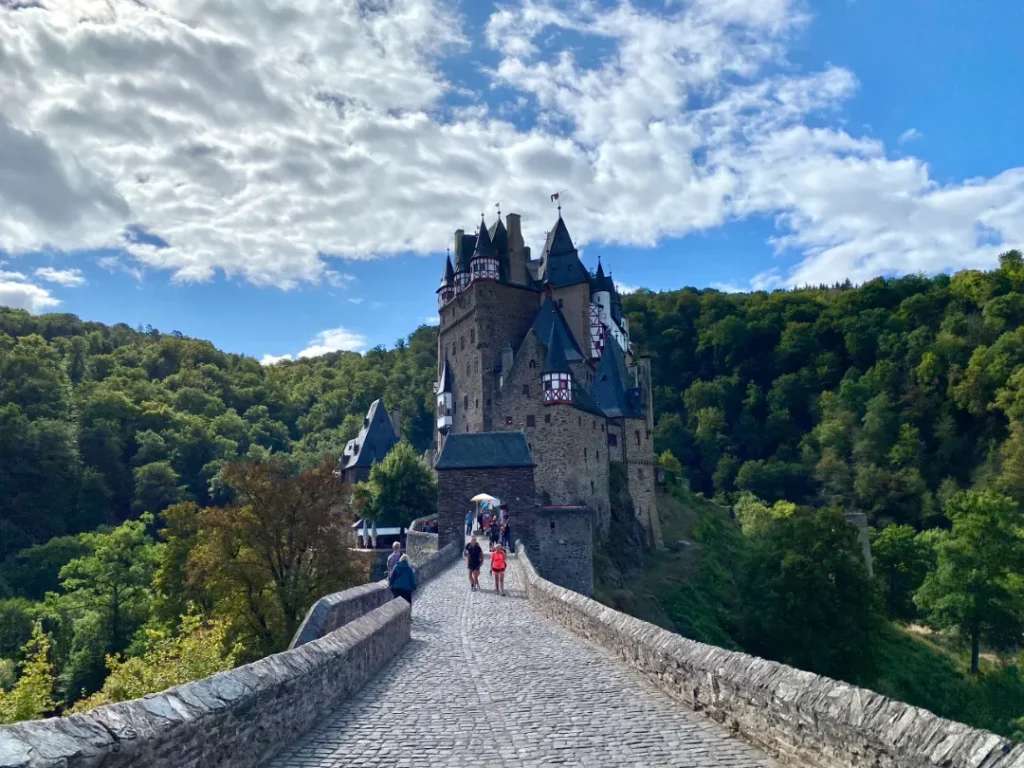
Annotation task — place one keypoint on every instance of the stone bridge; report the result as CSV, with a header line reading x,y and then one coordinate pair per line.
x,y
543,676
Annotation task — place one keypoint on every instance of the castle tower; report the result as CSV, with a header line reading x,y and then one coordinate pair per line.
x,y
484,265
446,291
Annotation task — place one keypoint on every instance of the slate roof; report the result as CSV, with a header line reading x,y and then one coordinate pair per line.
x,y
601,282
484,450
610,391
448,278
484,247
549,317
499,238
375,439
560,263
554,361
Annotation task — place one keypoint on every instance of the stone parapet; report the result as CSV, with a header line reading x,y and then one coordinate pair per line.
x,y
419,546
806,719
234,719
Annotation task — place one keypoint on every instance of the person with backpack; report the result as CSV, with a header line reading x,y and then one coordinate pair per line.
x,y
498,565
394,557
403,579
474,559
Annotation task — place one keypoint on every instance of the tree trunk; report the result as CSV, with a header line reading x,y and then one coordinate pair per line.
x,y
975,651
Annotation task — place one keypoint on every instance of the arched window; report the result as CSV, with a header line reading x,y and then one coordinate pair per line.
x,y
533,363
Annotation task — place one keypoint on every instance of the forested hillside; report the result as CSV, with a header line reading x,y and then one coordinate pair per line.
x,y
99,423
127,527
902,399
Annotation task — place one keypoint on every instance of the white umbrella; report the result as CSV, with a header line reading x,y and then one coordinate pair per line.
x,y
486,497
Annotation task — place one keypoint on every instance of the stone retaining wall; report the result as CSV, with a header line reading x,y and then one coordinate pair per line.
x,y
806,719
337,609
234,719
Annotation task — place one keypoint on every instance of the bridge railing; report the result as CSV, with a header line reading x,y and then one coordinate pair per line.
x,y
807,719
241,717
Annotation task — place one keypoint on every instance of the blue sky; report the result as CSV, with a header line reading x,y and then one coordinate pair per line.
x,y
301,174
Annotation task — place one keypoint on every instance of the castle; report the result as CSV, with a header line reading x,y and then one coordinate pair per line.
x,y
539,348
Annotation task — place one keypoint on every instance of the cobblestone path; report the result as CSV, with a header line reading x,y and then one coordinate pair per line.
x,y
486,681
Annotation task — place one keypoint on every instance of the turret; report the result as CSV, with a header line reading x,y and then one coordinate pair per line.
x,y
556,376
446,291
444,399
484,265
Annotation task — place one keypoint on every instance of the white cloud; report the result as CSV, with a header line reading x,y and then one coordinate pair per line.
x,y
290,135
432,320
326,341
69,278
17,292
626,288
909,135
274,359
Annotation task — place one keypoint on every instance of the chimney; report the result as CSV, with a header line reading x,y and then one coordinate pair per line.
x,y
396,421
517,251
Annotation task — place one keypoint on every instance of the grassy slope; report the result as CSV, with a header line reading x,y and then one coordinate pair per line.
x,y
690,589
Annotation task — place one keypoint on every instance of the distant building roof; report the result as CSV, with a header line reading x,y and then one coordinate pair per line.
x,y
485,450
375,439
560,263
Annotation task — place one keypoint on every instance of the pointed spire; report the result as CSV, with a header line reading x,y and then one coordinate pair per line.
x,y
555,361
600,269
484,247
448,278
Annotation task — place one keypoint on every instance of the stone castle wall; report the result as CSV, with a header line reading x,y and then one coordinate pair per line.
x,y
637,446
806,719
474,328
561,544
455,487
568,445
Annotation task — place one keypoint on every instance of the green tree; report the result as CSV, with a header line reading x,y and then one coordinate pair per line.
x,y
402,487
282,545
156,487
807,597
198,649
32,695
902,559
976,587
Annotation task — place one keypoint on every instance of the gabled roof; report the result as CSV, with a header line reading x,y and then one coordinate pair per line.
x,y
484,450
549,317
484,247
560,262
375,439
444,381
610,391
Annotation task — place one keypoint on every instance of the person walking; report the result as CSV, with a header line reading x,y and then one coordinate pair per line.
x,y
474,559
469,523
498,565
394,557
506,535
494,532
403,579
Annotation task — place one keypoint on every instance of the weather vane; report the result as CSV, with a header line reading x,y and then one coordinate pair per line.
x,y
557,196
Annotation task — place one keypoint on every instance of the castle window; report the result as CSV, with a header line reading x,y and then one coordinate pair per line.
x,y
467,368
476,403
560,304
465,402
508,421
638,438
584,453
597,455
533,363
547,418
531,421
552,526
591,486
640,473
526,389
472,335
593,423
579,421
488,402
613,440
